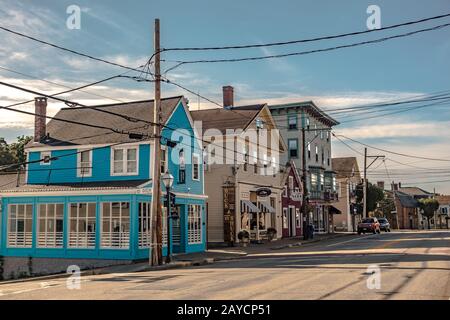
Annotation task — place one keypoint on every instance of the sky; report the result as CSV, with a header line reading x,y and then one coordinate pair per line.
x,y
123,32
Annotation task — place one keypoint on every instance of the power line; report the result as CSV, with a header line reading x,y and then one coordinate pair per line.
x,y
392,152
306,40
180,63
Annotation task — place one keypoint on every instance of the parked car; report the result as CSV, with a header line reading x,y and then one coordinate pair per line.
x,y
384,224
369,225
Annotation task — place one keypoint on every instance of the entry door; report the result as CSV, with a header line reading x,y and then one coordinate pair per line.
x,y
291,221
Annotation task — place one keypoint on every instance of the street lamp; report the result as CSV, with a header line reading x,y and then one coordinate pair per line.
x,y
167,179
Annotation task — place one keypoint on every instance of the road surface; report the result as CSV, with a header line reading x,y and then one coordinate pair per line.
x,y
411,265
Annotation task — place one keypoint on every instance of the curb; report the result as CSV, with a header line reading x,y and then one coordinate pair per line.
x,y
298,244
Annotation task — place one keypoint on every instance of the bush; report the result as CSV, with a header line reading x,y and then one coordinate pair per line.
x,y
243,234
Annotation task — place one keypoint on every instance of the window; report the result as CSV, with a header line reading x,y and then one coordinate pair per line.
x,y
194,224
125,161
321,134
45,157
293,148
163,159
316,132
291,182
50,226
285,191
195,167
321,181
255,162
328,157
246,155
145,238
20,230
328,135
297,218
84,166
323,156
285,218
181,168
309,150
317,154
307,123
292,122
82,225
115,227
314,181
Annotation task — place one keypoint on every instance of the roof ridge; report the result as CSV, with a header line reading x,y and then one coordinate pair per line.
x,y
121,103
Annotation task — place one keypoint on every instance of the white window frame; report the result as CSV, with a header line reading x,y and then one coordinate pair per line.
x,y
50,239
125,161
107,239
291,182
23,239
81,239
165,160
197,156
285,218
43,155
80,173
195,224
298,220
145,224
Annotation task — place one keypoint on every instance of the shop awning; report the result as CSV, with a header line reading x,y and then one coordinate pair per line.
x,y
248,206
334,210
265,207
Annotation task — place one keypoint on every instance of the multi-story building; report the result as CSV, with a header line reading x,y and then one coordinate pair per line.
x,y
88,190
321,182
243,194
348,177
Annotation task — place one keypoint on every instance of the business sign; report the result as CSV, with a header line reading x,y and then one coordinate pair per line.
x,y
263,192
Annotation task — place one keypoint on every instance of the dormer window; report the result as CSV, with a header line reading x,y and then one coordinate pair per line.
x,y
124,161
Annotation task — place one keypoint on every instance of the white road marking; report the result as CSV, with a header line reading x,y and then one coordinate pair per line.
x,y
336,244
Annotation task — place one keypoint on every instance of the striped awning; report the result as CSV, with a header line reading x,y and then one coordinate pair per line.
x,y
248,206
265,207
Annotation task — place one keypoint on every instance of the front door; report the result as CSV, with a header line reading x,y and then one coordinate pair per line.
x,y
291,221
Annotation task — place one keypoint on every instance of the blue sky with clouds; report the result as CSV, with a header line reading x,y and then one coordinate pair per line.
x,y
122,32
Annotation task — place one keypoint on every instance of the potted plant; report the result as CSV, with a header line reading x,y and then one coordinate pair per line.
x,y
271,233
244,237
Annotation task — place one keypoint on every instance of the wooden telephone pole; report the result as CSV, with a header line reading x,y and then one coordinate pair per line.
x,y
156,249
375,158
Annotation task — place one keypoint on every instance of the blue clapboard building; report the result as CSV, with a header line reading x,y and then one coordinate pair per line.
x,y
87,190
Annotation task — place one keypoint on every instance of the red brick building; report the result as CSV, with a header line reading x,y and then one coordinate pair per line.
x,y
291,202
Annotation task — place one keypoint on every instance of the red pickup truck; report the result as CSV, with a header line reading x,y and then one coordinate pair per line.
x,y
369,225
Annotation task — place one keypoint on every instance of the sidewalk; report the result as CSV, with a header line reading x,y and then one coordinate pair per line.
x,y
196,259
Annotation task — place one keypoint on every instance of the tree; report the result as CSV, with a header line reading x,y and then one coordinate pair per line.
x,y
374,195
428,207
5,155
17,149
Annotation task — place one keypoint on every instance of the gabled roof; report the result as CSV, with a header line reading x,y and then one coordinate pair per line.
x,y
344,167
311,108
406,200
415,191
290,166
227,118
63,133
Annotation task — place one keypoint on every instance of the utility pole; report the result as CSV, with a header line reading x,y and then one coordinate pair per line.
x,y
375,158
156,249
365,185
305,188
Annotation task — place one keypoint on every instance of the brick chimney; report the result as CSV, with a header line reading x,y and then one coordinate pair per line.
x,y
228,96
394,186
380,184
399,185
40,108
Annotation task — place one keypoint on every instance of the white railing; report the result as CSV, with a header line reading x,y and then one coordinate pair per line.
x,y
145,240
194,236
20,239
50,240
82,240
116,240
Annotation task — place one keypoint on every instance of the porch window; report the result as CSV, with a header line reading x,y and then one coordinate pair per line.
x,y
82,225
285,218
84,167
115,227
50,227
321,181
20,230
195,167
194,224
125,161
314,181
145,238
297,218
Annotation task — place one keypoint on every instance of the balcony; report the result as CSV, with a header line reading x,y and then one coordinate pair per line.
x,y
316,195
331,196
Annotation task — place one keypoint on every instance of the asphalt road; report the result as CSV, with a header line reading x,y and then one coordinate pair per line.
x,y
411,265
